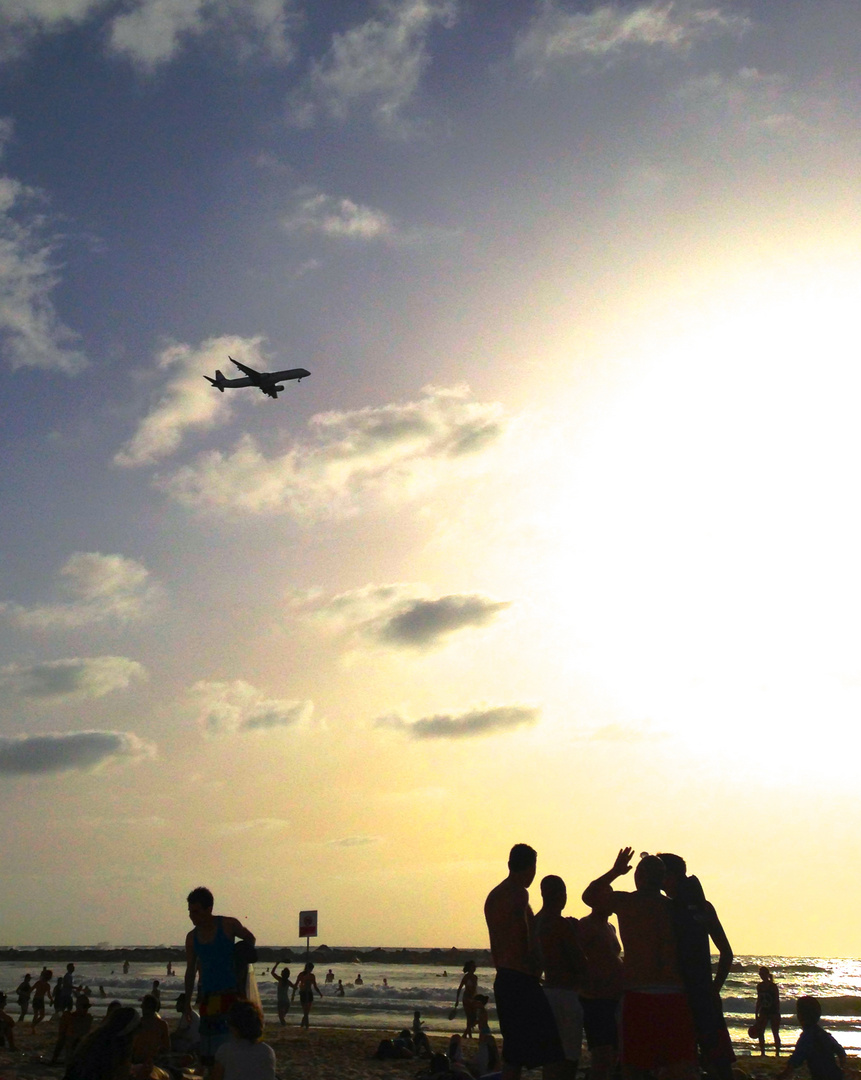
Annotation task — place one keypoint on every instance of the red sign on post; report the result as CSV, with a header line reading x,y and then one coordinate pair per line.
x,y
307,924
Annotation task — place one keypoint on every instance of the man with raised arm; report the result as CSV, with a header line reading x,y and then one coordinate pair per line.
x,y
209,950
529,1036
656,1025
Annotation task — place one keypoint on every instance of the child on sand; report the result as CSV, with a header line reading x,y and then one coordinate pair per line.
x,y
817,1048
244,1056
7,1025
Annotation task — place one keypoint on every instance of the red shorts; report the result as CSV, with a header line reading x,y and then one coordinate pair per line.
x,y
656,1030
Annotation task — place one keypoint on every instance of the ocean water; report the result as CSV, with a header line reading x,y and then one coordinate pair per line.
x,y
837,984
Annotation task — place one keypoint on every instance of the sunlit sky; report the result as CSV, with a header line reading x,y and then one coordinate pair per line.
x,y
560,541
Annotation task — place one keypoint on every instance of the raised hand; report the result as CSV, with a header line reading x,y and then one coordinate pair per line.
x,y
622,865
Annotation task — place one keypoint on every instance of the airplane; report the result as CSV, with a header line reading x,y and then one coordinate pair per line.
x,y
264,380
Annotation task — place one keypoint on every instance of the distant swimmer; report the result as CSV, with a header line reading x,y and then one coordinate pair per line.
x,y
125,967
306,984
385,982
283,992
359,980
330,976
339,989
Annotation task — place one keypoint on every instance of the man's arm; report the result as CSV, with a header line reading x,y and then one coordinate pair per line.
x,y
316,987
190,972
725,954
235,927
603,885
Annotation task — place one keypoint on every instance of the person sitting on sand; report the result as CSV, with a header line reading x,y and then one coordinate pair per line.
x,y
41,990
488,1053
106,1053
244,1056
7,1025
73,1027
767,1011
283,993
152,1038
306,984
816,1048
24,990
469,986
186,1035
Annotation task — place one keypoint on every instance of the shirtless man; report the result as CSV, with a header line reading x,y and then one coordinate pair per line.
x,y
209,949
602,989
24,990
657,1026
695,921
564,971
41,990
529,1036
306,984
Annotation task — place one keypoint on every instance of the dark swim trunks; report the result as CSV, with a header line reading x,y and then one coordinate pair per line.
x,y
529,1035
600,1021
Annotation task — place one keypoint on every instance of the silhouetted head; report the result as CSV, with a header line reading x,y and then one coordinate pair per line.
x,y
149,1005
469,967
200,904
309,967
649,875
112,1007
70,967
765,974
553,892
808,1011
676,870
246,1020
180,1003
522,860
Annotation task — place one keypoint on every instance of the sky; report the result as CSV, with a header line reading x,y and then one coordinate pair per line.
x,y
557,544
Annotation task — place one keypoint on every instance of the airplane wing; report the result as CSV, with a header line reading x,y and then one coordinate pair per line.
x,y
255,376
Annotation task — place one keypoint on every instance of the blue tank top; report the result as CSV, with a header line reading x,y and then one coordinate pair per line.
x,y
217,972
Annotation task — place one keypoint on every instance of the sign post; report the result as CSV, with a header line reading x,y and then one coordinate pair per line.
x,y
307,929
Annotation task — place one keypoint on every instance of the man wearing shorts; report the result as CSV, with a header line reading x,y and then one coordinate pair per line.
x,y
657,1030
602,989
209,949
529,1036
564,970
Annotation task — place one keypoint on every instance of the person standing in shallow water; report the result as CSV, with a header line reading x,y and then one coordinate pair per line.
x,y
469,986
284,987
209,949
306,984
767,1010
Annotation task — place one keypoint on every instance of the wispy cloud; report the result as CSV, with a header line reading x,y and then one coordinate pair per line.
x,y
355,841
186,401
84,751
403,615
254,825
236,706
153,32
749,102
609,31
32,332
76,677
376,66
102,588
338,217
389,451
465,725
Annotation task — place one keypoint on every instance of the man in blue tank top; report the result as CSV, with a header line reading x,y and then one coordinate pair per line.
x,y
209,950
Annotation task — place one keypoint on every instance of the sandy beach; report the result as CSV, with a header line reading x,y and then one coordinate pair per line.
x,y
326,1054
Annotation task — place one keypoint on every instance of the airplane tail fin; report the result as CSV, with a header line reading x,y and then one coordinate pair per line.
x,y
218,381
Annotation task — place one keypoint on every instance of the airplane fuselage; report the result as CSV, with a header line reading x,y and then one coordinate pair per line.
x,y
266,381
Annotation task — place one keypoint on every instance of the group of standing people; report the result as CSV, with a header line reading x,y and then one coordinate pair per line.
x,y
659,1008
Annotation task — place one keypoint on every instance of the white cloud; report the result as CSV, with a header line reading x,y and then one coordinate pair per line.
x,y
558,36
355,841
404,617
255,825
23,20
85,751
187,401
32,333
342,218
388,451
377,65
236,706
103,588
77,677
466,725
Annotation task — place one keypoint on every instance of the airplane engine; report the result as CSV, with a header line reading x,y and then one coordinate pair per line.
x,y
277,389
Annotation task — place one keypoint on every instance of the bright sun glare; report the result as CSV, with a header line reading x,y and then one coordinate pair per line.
x,y
711,530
